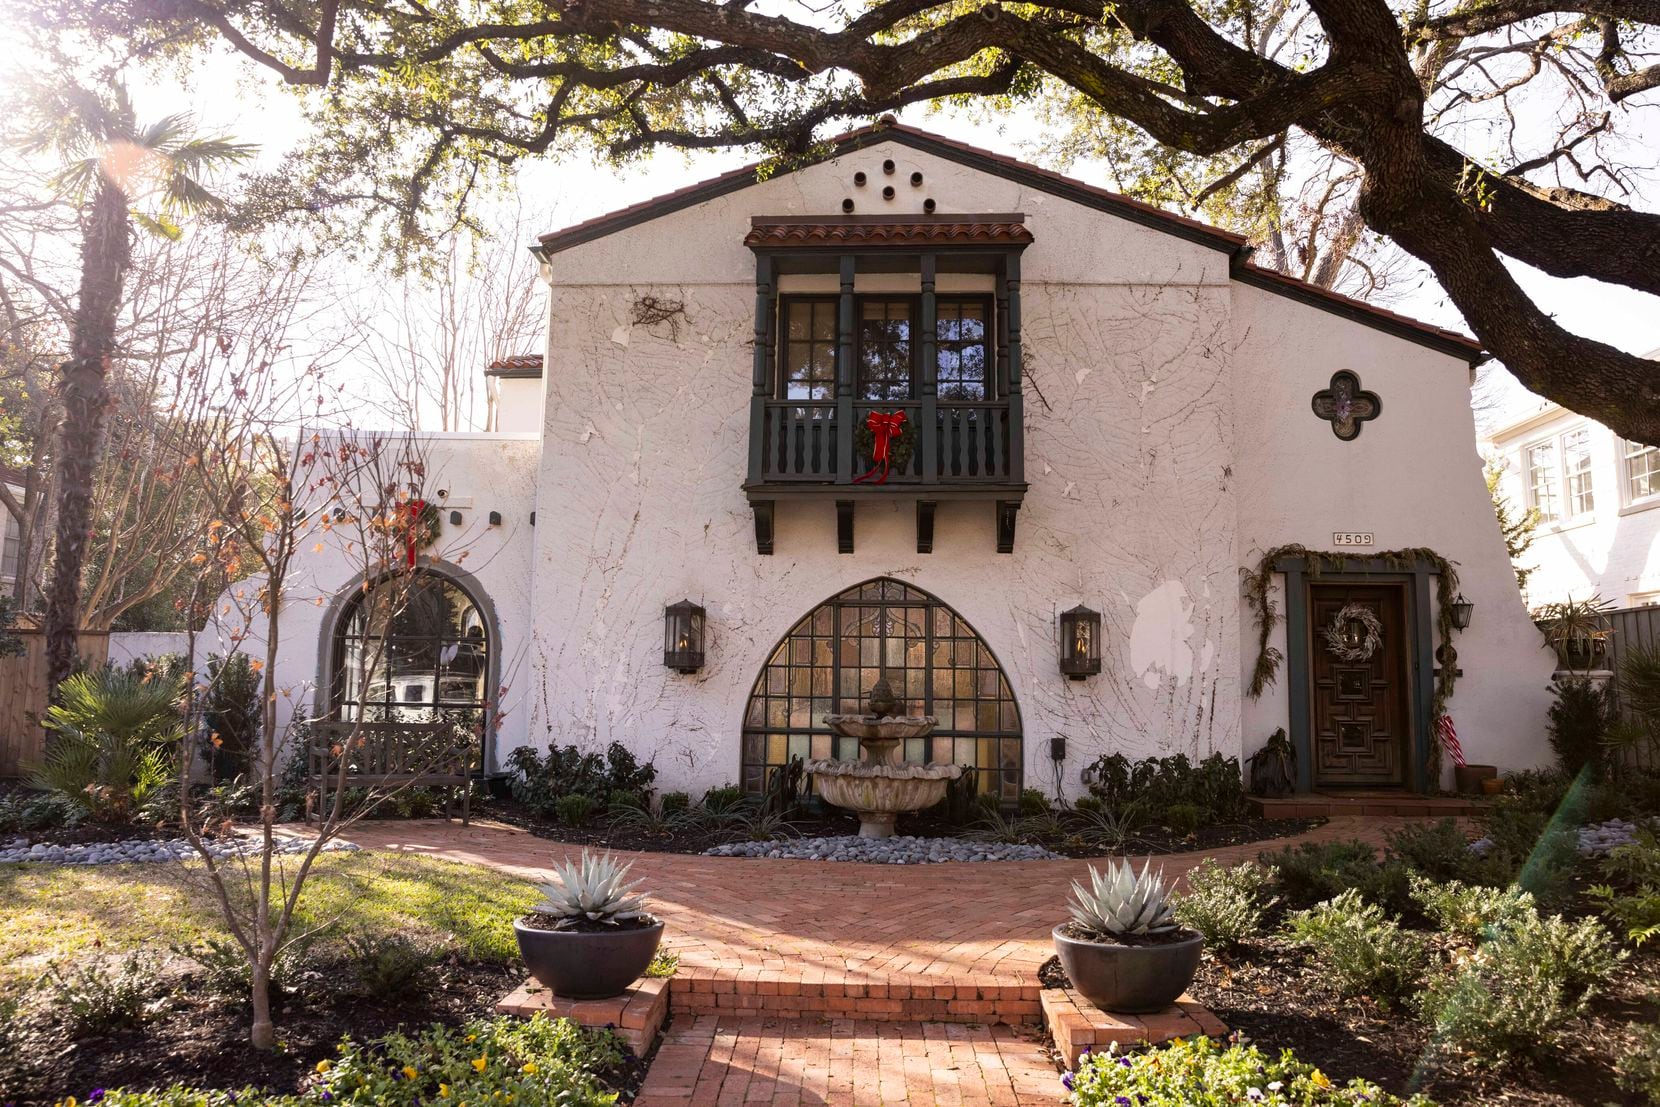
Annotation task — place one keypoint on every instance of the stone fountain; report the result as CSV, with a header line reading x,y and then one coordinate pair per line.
x,y
881,785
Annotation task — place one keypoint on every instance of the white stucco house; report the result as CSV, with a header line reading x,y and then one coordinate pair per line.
x,y
1598,498
1104,406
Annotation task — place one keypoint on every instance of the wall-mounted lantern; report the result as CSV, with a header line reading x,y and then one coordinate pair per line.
x,y
1460,610
683,637
1080,642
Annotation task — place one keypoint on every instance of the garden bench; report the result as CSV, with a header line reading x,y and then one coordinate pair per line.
x,y
392,755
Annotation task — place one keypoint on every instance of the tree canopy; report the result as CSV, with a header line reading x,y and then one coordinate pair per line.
x,y
1466,132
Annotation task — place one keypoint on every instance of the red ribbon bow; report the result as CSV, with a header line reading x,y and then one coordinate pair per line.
x,y
886,429
416,509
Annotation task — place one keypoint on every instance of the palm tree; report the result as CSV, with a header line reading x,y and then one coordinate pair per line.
x,y
113,165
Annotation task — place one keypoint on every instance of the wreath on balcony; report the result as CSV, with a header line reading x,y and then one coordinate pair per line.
x,y
901,446
1354,633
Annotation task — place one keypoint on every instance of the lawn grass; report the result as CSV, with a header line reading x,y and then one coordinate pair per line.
x,y
61,912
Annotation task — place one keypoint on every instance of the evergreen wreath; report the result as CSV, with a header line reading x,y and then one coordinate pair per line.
x,y
424,526
1367,618
901,447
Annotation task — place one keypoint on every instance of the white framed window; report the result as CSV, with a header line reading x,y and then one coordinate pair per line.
x,y
1643,599
8,545
1539,466
1576,471
1642,471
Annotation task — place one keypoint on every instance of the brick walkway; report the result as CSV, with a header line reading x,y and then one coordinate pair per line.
x,y
809,982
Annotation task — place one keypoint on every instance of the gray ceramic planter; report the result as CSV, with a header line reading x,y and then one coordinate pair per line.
x,y
1132,979
592,965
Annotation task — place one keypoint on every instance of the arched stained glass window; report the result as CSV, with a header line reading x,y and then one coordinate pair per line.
x,y
935,662
413,650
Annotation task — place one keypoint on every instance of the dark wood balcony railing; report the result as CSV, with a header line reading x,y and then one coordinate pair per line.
x,y
970,443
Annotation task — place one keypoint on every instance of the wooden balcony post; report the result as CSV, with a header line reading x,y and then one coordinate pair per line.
x,y
844,375
928,432
762,383
1017,406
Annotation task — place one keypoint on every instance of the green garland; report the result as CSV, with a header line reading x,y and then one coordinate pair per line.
x,y
1257,583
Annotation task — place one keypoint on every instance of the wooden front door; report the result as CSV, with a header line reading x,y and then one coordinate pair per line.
x,y
1361,715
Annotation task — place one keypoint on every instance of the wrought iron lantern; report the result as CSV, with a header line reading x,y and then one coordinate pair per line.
x,y
1460,610
683,636
1080,642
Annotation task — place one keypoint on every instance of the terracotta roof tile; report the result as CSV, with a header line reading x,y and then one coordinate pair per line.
x,y
964,233
515,365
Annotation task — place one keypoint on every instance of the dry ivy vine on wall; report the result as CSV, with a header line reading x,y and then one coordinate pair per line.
x,y
1257,582
649,310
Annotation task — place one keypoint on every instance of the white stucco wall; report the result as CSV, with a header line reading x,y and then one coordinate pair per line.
x,y
1413,478
1613,550
126,646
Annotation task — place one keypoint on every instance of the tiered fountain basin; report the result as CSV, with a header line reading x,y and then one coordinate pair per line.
x,y
881,786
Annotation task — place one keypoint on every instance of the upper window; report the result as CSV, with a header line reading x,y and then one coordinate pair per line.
x,y
9,546
1642,471
412,651
1540,466
1576,468
809,354
886,353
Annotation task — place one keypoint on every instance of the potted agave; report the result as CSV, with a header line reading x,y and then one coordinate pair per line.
x,y
1123,949
591,937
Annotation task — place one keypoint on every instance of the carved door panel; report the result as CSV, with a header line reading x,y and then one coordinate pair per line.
x,y
1360,718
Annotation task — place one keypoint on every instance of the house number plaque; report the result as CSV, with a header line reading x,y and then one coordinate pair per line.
x,y
1351,538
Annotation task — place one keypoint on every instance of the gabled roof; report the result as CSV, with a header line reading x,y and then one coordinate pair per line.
x,y
1045,180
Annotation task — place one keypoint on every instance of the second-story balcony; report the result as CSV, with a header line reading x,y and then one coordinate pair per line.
x,y
911,322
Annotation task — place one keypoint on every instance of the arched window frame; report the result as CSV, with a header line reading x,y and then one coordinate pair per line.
x,y
998,750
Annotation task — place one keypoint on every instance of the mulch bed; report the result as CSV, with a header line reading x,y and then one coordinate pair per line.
x,y
1270,992
203,1042
1152,839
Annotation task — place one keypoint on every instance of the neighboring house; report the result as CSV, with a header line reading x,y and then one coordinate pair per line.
x,y
1105,405
1598,498
10,531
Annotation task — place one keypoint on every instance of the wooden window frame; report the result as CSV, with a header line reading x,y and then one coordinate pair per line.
x,y
985,300
988,304
781,370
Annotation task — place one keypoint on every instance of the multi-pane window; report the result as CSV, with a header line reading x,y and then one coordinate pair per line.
x,y
413,651
1542,493
9,546
962,349
809,350
1642,471
934,661
885,349
1576,469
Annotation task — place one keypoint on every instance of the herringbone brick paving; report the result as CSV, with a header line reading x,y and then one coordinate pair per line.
x,y
842,969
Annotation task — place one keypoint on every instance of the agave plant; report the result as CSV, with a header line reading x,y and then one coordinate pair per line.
x,y
1121,902
594,890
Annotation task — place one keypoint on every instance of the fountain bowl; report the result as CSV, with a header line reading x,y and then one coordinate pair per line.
x,y
882,786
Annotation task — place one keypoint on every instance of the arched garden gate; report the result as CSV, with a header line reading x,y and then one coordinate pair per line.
x,y
935,661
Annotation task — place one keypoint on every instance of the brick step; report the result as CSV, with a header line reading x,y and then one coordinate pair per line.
x,y
1308,805
889,999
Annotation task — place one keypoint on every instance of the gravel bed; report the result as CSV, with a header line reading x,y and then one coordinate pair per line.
x,y
898,850
1601,839
138,849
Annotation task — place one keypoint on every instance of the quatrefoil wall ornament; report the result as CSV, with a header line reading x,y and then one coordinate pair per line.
x,y
1346,405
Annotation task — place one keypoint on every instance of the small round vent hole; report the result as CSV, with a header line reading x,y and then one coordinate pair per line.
x,y
847,204
928,205
859,178
887,193
916,180
887,166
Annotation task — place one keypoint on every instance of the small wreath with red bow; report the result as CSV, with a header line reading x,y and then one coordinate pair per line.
x,y
901,447
422,520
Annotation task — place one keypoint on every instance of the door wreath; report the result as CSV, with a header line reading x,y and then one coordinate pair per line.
x,y
1341,638
888,441
421,528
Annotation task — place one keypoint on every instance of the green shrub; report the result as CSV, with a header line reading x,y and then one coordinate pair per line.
x,y
1033,802
222,970
575,809
1513,994
231,712
1638,1067
22,811
1312,872
415,802
1441,851
1224,904
1089,805
180,1096
1471,911
387,964
95,996
1200,1071
526,1063
621,800
112,732
1533,850
663,964
1214,785
1184,818
540,782
673,803
1632,898
1365,951
1578,722
724,800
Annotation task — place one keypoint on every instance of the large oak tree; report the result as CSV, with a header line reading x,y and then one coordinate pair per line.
x,y
1478,130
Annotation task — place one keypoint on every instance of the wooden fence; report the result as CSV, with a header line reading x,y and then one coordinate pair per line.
x,y
23,695
1634,628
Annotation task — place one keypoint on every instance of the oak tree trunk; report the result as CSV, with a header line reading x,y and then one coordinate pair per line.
x,y
106,252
